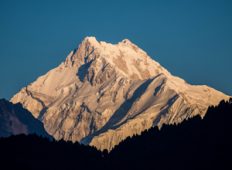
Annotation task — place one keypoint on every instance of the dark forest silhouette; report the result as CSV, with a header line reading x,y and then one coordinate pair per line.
x,y
194,144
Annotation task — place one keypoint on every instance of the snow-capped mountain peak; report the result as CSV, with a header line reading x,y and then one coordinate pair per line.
x,y
103,93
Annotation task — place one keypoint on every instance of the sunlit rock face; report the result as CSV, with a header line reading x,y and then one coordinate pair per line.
x,y
103,93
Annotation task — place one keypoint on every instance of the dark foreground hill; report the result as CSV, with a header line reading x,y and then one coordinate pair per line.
x,y
194,144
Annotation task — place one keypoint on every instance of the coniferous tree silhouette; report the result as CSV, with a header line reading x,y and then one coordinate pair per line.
x,y
195,144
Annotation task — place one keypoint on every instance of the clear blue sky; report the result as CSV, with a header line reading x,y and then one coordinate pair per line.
x,y
191,38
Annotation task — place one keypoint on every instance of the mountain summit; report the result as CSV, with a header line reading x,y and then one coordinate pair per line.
x,y
103,93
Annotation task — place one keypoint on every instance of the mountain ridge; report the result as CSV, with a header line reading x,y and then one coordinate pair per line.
x,y
103,93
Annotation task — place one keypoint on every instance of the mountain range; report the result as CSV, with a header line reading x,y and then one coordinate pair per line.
x,y
103,93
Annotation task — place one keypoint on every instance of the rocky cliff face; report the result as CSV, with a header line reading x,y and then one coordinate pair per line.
x,y
15,120
103,93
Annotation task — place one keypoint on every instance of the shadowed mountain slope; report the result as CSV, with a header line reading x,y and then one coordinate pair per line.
x,y
14,120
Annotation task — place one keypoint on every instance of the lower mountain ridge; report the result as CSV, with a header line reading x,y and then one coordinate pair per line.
x,y
103,93
15,120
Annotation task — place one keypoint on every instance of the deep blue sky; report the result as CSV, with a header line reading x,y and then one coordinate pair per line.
x,y
191,38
